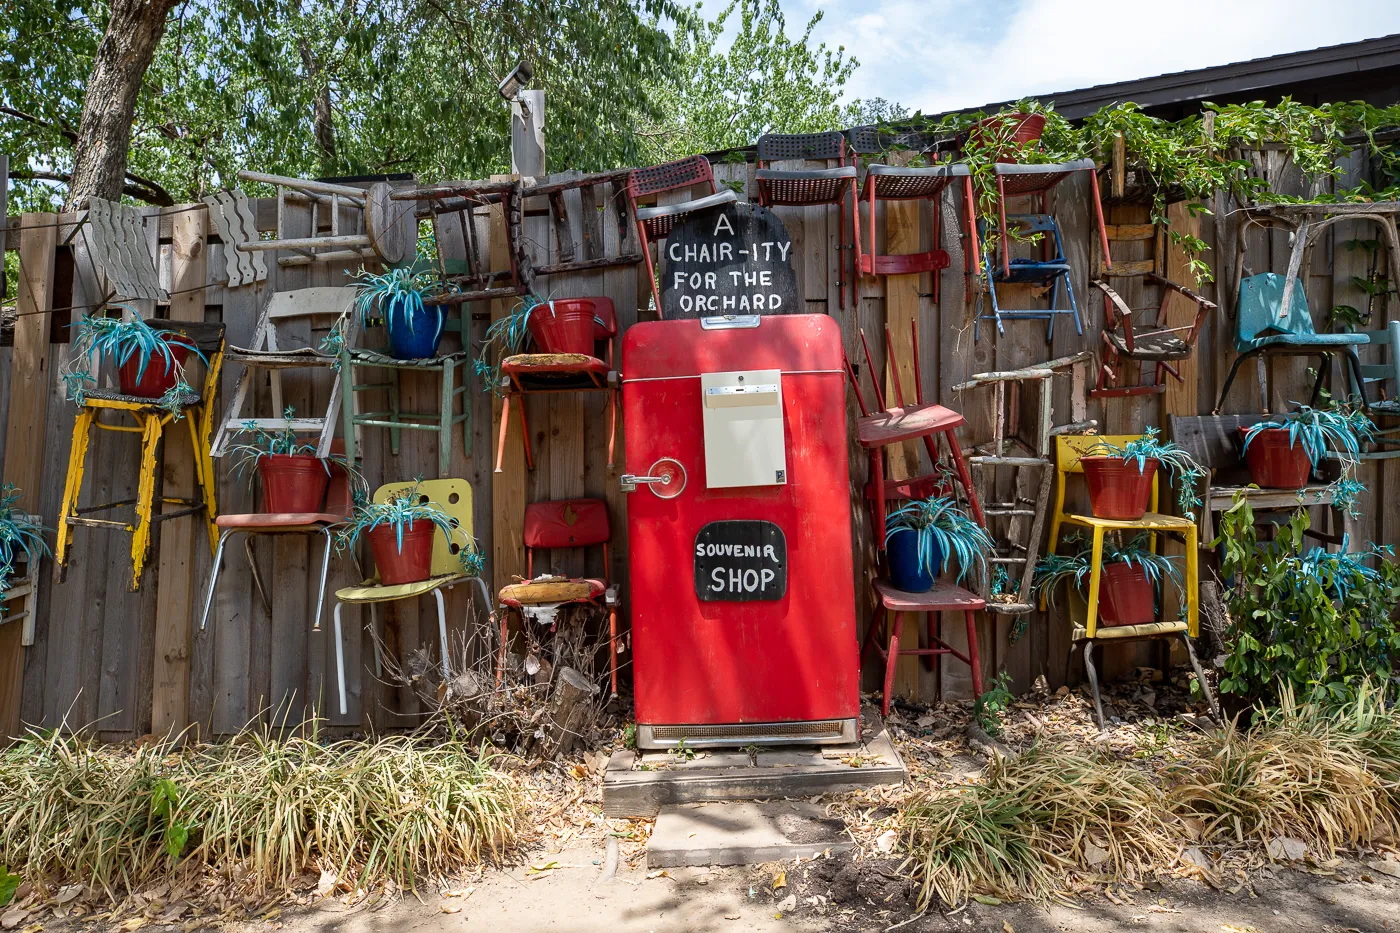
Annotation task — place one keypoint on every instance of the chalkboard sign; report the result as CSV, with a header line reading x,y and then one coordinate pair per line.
x,y
740,561
731,259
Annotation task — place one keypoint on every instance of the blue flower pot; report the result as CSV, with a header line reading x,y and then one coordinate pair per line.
x,y
413,335
906,571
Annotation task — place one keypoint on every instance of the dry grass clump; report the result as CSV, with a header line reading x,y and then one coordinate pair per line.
x,y
1328,777
269,809
1048,811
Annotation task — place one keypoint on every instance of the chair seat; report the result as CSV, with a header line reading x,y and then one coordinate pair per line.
x,y
278,521
307,356
1307,340
905,182
804,186
138,402
1151,521
553,363
1018,178
660,220
375,358
1145,630
537,592
373,592
902,424
943,597
1163,345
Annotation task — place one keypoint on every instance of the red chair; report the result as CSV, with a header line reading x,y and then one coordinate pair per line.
x,y
913,183
944,597
562,372
655,223
811,187
339,505
564,523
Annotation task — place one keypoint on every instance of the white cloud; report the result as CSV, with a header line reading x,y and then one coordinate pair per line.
x,y
947,54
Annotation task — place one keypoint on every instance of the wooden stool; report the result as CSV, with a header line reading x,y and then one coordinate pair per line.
x,y
944,597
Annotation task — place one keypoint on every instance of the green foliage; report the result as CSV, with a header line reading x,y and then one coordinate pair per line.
x,y
9,884
939,519
165,803
1322,430
988,707
395,296
98,337
18,535
763,82
505,337
1319,623
400,511
1052,569
1180,466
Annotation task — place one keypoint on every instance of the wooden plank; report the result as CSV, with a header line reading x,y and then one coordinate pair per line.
x,y
24,433
508,485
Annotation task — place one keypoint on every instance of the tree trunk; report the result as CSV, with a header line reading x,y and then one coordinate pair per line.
x,y
322,124
109,107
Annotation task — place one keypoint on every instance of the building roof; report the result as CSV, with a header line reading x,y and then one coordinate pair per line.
x,y
1240,80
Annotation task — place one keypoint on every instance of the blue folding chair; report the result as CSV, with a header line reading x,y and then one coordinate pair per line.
x,y
1051,270
1264,328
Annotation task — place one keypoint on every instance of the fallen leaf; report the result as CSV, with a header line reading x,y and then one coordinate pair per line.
x,y
788,904
134,924
1385,868
886,841
13,918
659,873
987,899
780,880
1286,849
67,893
1006,927
1094,855
326,884
450,908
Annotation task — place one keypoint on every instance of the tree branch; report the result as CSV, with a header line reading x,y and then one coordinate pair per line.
x,y
143,190
67,134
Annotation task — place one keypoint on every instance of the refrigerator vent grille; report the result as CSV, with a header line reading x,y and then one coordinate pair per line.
x,y
819,729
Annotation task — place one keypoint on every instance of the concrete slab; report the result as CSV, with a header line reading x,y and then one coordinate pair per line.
x,y
742,834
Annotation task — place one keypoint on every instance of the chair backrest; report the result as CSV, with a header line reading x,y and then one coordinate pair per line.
x,y
1261,309
870,140
1070,447
604,318
326,301
1214,441
567,523
1389,370
670,176
208,336
453,496
340,497
776,147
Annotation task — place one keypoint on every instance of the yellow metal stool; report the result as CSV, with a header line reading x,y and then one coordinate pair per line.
x,y
1069,448
150,422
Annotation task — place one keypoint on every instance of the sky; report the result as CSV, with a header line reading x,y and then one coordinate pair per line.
x,y
937,55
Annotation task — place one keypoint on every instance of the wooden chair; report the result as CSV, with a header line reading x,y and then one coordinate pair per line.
x,y
811,187
1159,344
454,496
1068,451
271,353
197,413
944,597
655,223
562,372
564,523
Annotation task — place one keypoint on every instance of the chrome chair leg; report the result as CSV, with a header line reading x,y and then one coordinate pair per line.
x,y
339,658
213,579
321,593
442,632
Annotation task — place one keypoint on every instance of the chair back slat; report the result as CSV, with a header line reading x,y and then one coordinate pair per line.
x,y
1070,447
669,176
777,147
567,523
1260,310
453,496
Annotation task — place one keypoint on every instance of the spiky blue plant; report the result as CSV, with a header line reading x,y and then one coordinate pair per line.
x,y
396,296
1339,571
505,337
98,337
400,511
1321,430
285,442
1180,466
939,519
1053,568
18,535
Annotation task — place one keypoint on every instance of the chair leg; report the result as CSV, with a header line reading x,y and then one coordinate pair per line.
x,y
877,623
891,659
651,269
973,659
257,577
145,496
72,486
445,422
505,639
525,434
612,649
1093,676
1201,679
1324,366
505,428
213,578
395,402
1354,363
442,634
1230,379
340,658
321,590
1069,659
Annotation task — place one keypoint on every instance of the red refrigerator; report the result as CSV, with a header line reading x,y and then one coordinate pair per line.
x,y
739,532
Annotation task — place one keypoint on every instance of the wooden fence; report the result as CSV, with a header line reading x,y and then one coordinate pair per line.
x,y
129,663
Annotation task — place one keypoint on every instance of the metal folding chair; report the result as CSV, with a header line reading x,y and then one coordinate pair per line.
x,y
655,223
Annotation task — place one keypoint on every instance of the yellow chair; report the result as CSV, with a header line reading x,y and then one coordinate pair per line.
x,y
454,496
196,411
1069,448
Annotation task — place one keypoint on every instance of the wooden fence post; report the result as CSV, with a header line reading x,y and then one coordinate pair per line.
x,y
170,699
29,403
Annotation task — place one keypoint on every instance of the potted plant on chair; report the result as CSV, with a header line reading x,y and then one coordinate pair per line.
x,y
924,534
1120,477
150,362
21,539
396,297
1128,584
400,531
1282,454
294,479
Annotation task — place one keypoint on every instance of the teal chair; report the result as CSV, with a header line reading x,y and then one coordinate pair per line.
x,y
1265,329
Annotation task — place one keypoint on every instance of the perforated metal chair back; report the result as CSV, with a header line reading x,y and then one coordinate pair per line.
x,y
453,496
777,147
669,176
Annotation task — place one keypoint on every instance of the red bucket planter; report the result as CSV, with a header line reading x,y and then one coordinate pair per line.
x,y
1028,127
160,374
1125,595
1273,464
1117,488
409,564
563,326
293,483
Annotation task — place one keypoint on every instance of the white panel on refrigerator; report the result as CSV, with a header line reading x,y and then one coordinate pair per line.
x,y
745,444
